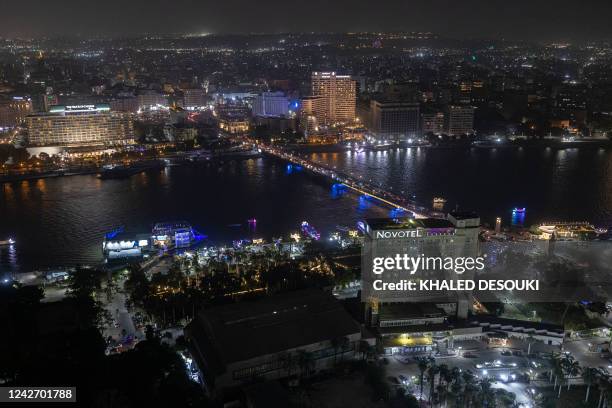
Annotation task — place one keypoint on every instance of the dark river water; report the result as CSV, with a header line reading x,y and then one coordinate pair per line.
x,y
62,221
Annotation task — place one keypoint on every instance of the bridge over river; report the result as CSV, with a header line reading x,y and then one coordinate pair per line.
x,y
355,183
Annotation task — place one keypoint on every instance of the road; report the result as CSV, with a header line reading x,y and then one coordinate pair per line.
x,y
123,331
508,365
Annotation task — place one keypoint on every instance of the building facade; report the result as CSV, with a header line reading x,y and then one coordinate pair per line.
x,y
80,125
312,108
271,104
339,95
459,120
14,110
194,98
279,329
394,119
432,122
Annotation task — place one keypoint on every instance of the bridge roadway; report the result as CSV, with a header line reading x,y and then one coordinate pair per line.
x,y
354,183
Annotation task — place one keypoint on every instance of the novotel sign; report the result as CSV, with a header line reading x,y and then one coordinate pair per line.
x,y
413,233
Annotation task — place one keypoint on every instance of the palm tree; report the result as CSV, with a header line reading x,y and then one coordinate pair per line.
x,y
601,384
606,392
572,369
485,391
559,376
457,386
470,387
530,340
444,375
588,375
431,376
444,372
423,364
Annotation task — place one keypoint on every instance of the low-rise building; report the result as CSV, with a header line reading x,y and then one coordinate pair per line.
x,y
294,334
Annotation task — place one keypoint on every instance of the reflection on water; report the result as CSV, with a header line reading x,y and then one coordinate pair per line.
x,y
570,184
62,220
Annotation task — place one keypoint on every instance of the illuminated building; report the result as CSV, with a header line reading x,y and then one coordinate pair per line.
x,y
273,104
124,104
194,98
234,126
14,110
312,108
339,95
43,102
419,321
394,119
80,125
174,234
233,118
148,98
459,120
432,122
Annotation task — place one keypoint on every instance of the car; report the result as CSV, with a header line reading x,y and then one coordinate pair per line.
x,y
469,354
403,379
517,353
506,353
511,377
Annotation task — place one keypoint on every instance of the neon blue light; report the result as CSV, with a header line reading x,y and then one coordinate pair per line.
x,y
112,234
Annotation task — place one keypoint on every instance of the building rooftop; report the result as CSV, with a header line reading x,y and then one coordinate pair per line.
x,y
495,320
245,330
407,223
463,215
394,311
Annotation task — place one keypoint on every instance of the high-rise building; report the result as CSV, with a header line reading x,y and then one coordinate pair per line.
x,y
194,98
394,119
339,94
432,122
274,104
311,109
148,98
14,110
407,321
459,120
124,104
80,125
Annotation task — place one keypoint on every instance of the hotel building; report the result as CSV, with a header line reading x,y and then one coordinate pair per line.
x,y
80,125
14,110
396,120
407,321
271,104
339,97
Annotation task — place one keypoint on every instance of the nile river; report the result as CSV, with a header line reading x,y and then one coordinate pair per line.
x,y
62,221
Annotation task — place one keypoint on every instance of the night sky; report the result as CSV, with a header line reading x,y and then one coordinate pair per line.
x,y
518,19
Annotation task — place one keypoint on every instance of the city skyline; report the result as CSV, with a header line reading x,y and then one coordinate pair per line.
x,y
411,218
543,21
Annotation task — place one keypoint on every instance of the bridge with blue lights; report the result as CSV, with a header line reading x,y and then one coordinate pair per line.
x,y
355,183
